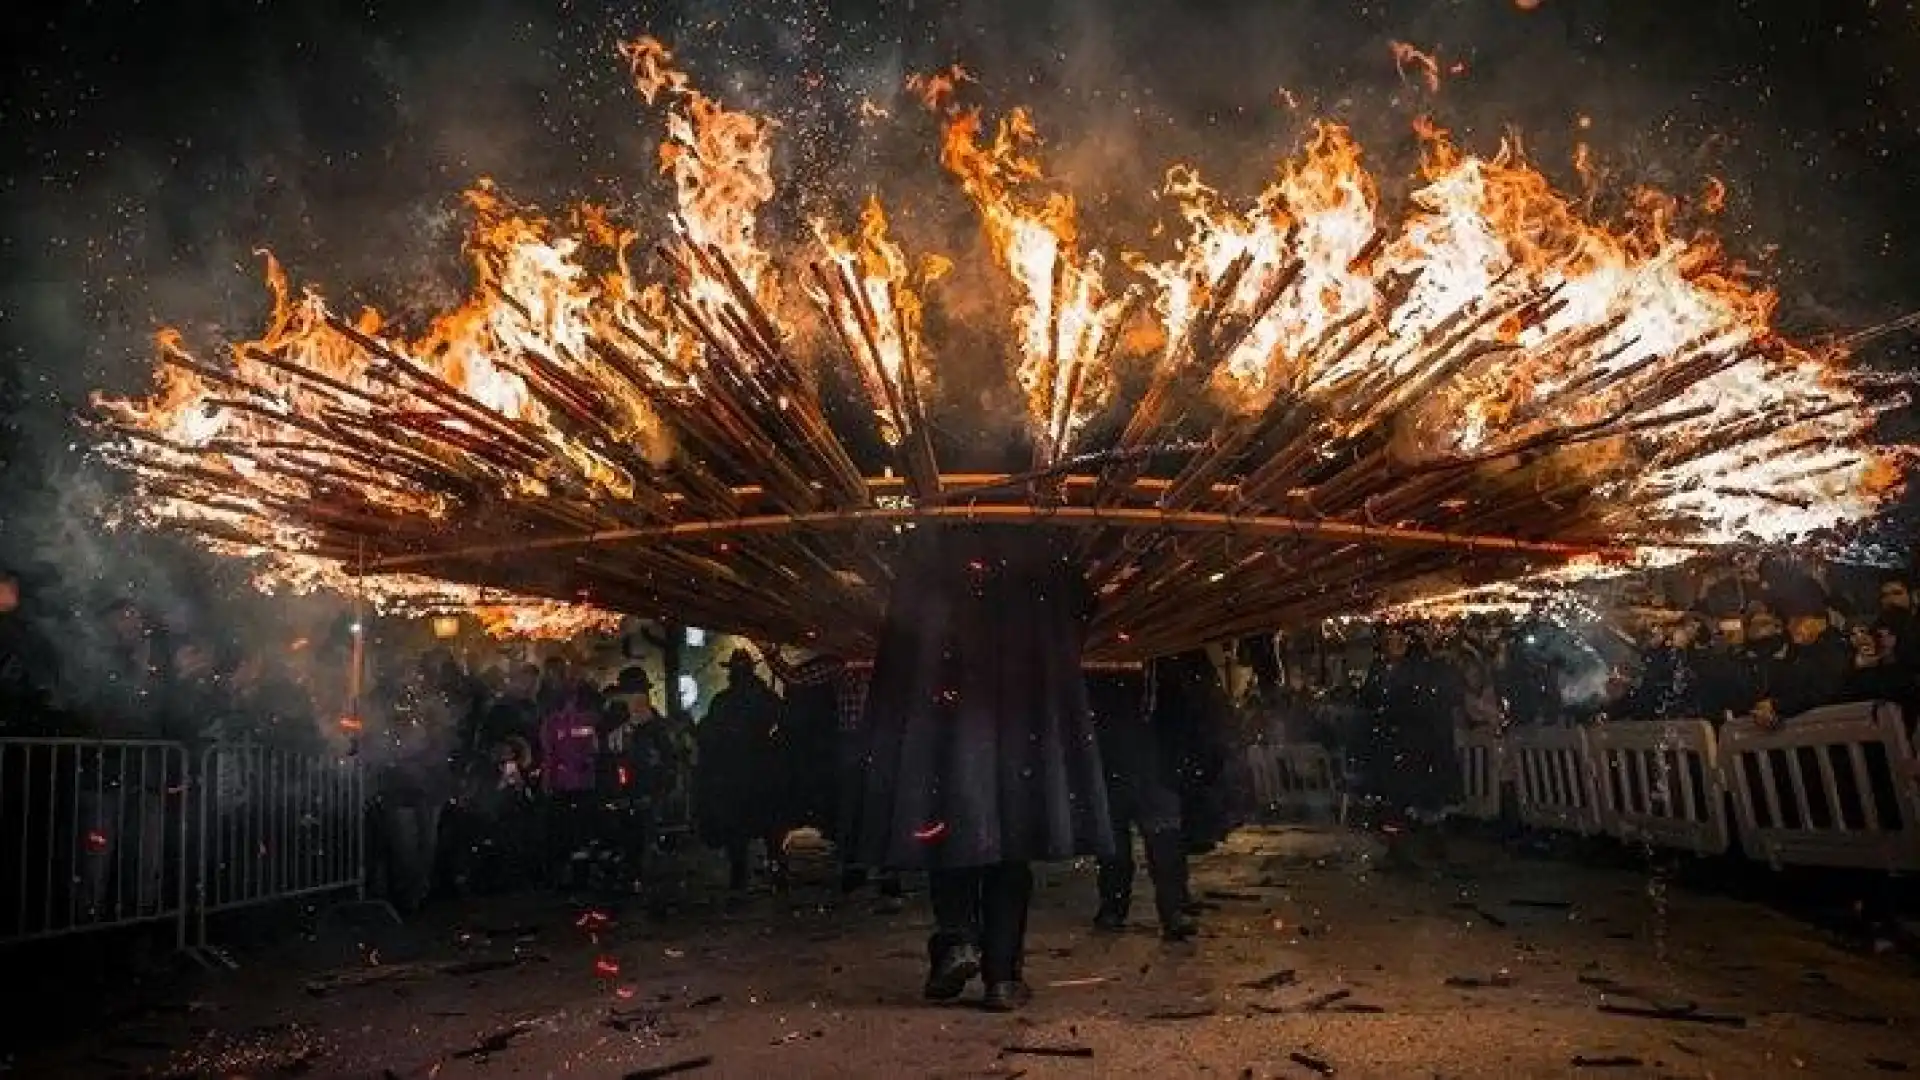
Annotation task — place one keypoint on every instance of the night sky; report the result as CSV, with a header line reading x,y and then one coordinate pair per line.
x,y
151,147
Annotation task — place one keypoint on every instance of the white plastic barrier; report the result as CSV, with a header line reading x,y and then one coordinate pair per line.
x,y
1482,758
1308,780
1659,782
1831,787
275,825
1263,776
93,835
1553,775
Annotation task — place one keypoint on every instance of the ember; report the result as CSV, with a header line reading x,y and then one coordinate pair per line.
x,y
1489,379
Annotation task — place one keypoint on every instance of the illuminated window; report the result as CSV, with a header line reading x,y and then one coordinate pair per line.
x,y
696,637
689,692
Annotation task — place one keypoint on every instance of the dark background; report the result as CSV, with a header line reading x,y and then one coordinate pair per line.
x,y
151,147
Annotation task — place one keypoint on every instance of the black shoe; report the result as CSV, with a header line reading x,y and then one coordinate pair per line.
x,y
1178,928
955,968
1110,920
1007,996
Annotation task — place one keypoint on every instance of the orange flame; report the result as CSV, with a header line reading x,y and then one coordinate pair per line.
x,y
720,161
1494,313
1066,320
1425,65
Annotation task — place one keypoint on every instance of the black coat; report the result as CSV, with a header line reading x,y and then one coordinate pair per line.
x,y
1191,714
1730,682
812,749
1808,676
1141,763
979,742
1406,755
738,790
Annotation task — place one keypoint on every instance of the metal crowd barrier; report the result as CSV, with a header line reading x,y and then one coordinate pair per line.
x,y
1554,777
1482,771
275,825
1660,783
93,835
1831,787
104,833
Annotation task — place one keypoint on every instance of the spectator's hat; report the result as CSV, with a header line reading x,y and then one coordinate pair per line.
x,y
633,680
741,659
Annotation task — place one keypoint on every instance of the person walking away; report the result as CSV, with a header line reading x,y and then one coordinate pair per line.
x,y
1141,794
981,750
737,793
1190,707
414,782
1406,761
830,684
642,755
569,742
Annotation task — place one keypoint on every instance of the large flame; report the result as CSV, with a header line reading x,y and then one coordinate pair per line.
x,y
882,312
1066,320
721,162
1492,327
1494,314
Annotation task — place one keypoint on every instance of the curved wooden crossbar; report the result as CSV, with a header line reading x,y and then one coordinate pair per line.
x,y
1256,526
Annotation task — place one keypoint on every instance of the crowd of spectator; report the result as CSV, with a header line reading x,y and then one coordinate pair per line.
x,y
539,775
487,778
1772,660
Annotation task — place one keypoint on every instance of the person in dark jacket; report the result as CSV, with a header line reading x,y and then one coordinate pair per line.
x,y
981,747
1814,668
1729,680
639,763
833,688
1898,644
1405,759
1142,793
514,713
737,794
1189,706
413,781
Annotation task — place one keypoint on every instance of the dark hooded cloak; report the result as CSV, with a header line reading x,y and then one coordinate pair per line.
x,y
979,741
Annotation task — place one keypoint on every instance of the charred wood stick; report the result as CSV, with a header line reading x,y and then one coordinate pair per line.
x,y
654,353
1047,447
1310,1063
299,371
575,397
910,394
1689,1014
1048,1051
433,427
430,480
175,357
852,487
443,393
761,324
675,1068
1274,981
